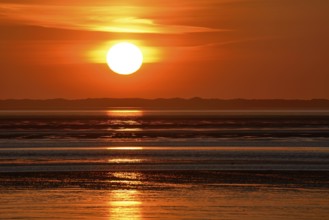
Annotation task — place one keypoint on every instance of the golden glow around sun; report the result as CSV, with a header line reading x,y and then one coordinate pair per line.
x,y
124,58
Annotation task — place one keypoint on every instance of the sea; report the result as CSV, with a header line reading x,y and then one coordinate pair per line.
x,y
132,163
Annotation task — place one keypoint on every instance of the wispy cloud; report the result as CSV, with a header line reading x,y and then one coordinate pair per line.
x,y
103,16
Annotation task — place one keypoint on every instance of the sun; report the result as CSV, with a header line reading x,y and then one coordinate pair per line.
x,y
124,58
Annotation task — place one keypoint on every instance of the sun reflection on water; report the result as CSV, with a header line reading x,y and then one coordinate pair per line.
x,y
125,148
125,160
125,203
129,129
125,113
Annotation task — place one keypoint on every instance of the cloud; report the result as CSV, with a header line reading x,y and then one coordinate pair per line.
x,y
120,18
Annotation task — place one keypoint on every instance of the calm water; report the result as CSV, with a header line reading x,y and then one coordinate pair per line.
x,y
134,164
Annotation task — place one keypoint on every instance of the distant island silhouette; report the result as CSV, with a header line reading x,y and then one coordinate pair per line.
x,y
174,103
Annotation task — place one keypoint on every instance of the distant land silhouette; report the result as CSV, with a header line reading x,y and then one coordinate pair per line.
x,y
174,103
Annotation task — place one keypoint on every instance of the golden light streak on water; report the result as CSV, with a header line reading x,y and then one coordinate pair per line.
x,y
125,113
126,203
125,160
125,148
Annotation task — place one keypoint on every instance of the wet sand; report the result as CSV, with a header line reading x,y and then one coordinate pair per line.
x,y
165,195
164,165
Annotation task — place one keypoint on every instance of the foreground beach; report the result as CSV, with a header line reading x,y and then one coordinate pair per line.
x,y
165,195
164,165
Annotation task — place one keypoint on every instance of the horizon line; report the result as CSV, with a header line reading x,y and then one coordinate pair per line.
x,y
160,98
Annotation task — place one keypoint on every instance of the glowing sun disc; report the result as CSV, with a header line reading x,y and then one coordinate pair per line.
x,y
124,58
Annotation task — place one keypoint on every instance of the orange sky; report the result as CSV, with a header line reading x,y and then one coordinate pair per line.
x,y
209,48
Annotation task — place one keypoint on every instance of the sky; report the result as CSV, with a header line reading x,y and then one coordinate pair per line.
x,y
253,49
